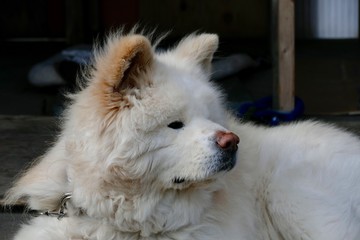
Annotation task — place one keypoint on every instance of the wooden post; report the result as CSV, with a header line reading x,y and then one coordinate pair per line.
x,y
283,41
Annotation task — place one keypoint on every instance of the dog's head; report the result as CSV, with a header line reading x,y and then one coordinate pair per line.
x,y
142,120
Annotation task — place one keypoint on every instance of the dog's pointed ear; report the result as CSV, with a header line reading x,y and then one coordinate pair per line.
x,y
121,61
199,48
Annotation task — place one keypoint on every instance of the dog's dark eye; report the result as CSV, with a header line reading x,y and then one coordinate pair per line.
x,y
176,125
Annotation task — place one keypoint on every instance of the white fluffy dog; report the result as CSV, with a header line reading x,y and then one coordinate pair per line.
x,y
147,151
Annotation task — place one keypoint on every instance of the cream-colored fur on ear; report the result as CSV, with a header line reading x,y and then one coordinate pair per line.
x,y
199,49
120,70
121,60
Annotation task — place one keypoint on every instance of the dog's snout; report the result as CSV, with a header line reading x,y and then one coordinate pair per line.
x,y
227,140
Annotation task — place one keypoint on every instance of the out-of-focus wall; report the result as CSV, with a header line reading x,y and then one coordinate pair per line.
x,y
229,18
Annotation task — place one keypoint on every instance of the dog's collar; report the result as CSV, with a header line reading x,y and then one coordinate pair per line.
x,y
59,212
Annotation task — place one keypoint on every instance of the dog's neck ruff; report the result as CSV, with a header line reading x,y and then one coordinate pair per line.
x,y
59,212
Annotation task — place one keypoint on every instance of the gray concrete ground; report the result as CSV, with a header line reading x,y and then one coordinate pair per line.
x,y
9,224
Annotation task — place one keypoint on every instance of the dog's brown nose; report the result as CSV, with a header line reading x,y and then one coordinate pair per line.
x,y
227,140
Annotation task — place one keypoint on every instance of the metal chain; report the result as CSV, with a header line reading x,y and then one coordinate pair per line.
x,y
60,212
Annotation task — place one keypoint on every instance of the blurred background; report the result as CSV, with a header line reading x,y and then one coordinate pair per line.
x,y
43,44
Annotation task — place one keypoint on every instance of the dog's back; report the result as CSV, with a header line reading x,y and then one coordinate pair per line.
x,y
302,181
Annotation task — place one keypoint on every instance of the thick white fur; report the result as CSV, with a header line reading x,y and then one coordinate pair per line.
x,y
117,157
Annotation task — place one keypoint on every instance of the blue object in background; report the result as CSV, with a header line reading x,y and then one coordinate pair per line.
x,y
261,111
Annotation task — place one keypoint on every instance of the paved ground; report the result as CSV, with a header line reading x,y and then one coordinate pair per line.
x,y
9,223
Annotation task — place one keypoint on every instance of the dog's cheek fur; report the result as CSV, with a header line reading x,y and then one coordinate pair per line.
x,y
191,154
